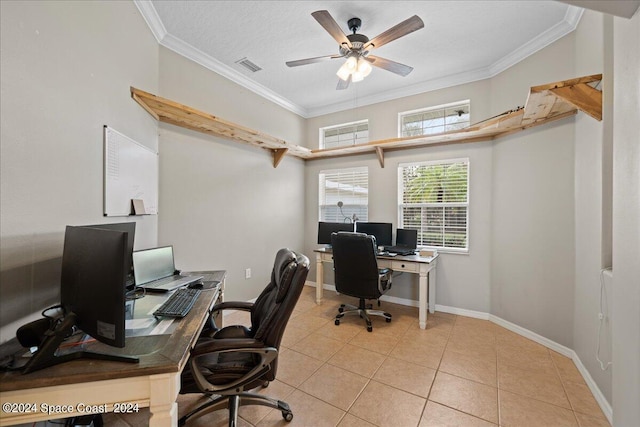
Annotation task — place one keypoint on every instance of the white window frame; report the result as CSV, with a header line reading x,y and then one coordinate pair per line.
x,y
466,204
346,210
401,115
355,140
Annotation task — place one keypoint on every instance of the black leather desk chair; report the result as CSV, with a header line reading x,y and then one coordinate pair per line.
x,y
235,358
357,274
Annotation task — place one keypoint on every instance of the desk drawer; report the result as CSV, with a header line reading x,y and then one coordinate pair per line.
x,y
410,267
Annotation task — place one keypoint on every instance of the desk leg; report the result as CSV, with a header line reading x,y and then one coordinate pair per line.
x,y
319,278
162,402
422,298
432,290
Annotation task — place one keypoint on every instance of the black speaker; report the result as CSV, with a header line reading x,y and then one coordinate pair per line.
x,y
31,334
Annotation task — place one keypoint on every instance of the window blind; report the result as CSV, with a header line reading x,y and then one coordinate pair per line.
x,y
349,186
438,119
345,134
434,199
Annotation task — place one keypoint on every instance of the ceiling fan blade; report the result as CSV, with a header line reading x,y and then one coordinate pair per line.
x,y
387,64
311,60
402,29
328,23
343,84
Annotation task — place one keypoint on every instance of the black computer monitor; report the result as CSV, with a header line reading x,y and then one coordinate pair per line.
x,y
93,270
91,294
407,237
130,228
381,230
326,228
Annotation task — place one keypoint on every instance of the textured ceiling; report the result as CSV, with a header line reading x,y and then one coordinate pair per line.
x,y
461,41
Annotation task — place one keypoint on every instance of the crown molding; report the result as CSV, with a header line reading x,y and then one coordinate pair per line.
x,y
151,17
199,57
561,29
418,88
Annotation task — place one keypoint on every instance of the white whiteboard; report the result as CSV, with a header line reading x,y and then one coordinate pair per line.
x,y
130,172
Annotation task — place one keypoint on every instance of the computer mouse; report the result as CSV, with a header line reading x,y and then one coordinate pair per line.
x,y
196,285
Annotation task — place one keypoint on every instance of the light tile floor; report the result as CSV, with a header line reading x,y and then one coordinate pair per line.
x,y
460,371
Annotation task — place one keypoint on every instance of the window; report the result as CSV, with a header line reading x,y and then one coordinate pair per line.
x,y
433,198
349,186
345,134
428,121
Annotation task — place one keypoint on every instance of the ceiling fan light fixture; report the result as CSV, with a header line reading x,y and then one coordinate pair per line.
x,y
352,63
364,67
349,67
357,76
357,68
344,72
357,47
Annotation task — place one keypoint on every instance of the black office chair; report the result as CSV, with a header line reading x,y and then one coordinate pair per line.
x,y
357,274
234,359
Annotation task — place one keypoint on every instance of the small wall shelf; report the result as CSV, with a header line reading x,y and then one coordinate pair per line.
x,y
544,104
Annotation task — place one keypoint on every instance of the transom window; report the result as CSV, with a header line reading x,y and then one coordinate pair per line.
x,y
433,198
349,186
345,134
432,120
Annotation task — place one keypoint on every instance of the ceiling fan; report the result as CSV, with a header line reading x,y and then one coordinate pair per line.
x,y
356,48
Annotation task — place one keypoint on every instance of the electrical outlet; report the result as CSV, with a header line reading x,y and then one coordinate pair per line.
x,y
247,273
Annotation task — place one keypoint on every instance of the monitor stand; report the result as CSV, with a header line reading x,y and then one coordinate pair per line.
x,y
45,356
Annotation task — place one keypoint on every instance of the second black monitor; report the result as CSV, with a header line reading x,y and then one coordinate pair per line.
x,y
326,228
381,230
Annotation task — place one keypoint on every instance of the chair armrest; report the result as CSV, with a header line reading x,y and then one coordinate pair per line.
x,y
233,305
385,279
266,354
211,327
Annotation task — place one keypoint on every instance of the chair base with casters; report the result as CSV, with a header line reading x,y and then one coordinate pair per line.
x,y
233,403
364,310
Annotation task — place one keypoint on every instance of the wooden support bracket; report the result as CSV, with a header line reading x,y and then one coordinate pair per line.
x,y
583,97
278,155
380,153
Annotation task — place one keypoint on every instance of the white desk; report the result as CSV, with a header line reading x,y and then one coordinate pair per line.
x,y
415,264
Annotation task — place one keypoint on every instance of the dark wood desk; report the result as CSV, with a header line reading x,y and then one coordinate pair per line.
x,y
424,267
90,386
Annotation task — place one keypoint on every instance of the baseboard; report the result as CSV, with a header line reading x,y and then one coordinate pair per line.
x,y
325,286
552,345
387,298
607,410
462,312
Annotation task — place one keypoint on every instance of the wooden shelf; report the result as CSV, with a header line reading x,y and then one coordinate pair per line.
x,y
544,104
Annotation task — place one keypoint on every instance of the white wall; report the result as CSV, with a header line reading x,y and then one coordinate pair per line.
x,y
463,280
222,204
591,236
532,250
66,71
626,222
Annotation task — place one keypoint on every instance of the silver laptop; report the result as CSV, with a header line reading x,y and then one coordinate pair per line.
x,y
154,269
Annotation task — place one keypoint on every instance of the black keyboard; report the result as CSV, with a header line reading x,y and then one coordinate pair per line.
x,y
179,303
